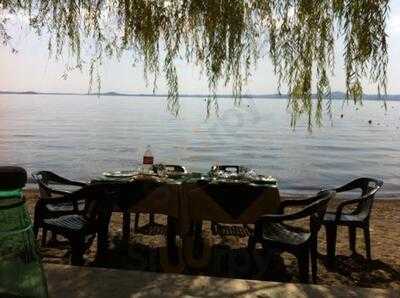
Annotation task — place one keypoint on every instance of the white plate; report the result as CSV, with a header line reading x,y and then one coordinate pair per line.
x,y
120,174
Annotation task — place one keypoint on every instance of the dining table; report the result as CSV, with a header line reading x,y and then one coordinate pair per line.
x,y
188,198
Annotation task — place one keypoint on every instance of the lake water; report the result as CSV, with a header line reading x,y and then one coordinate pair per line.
x,y
82,136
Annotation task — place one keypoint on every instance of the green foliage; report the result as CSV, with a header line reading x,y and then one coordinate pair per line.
x,y
226,38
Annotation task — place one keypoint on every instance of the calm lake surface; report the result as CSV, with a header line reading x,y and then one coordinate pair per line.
x,y
82,136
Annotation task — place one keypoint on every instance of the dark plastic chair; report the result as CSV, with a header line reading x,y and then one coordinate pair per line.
x,y
80,228
357,218
53,200
276,236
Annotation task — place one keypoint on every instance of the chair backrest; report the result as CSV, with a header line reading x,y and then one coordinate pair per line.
x,y
169,168
317,209
46,180
175,168
228,168
314,210
12,177
43,178
369,187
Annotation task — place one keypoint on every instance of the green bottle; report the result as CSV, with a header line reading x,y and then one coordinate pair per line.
x,y
21,271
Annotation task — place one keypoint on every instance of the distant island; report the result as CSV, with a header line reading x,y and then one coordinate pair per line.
x,y
334,95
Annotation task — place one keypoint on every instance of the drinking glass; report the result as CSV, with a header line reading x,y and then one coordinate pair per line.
x,y
251,174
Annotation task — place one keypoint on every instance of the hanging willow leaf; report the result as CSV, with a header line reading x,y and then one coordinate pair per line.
x,y
226,38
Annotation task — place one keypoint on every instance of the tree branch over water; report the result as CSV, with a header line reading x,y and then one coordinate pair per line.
x,y
226,38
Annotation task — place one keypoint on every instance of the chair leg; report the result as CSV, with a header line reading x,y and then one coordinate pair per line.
x,y
102,234
198,239
137,217
35,230
151,218
251,244
171,238
303,260
44,237
314,260
126,227
36,220
352,239
53,237
331,231
367,239
77,250
214,228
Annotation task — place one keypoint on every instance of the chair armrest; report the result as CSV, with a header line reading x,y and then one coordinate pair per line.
x,y
76,183
362,184
312,205
274,218
56,178
63,192
343,204
58,192
295,202
72,198
60,200
65,181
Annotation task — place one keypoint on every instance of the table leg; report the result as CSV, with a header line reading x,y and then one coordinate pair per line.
x,y
102,234
136,225
198,239
331,233
126,228
171,239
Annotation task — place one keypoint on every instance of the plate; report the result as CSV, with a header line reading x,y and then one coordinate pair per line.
x,y
264,180
119,174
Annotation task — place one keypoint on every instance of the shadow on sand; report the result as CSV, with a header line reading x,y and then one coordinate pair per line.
x,y
226,262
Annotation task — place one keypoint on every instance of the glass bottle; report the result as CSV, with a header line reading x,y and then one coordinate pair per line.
x,y
21,271
148,160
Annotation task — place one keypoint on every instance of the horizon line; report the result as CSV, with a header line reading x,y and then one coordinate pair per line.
x,y
334,94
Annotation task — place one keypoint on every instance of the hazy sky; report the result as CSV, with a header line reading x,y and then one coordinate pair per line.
x,y
31,69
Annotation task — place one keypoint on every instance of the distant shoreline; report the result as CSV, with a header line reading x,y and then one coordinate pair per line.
x,y
338,95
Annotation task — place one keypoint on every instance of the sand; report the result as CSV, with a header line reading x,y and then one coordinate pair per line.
x,y
230,258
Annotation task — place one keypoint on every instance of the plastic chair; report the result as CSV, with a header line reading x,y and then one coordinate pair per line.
x,y
80,228
357,218
277,236
54,199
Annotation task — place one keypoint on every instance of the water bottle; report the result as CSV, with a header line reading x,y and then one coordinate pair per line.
x,y
148,160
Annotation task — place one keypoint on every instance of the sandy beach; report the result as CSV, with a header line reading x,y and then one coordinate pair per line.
x,y
382,272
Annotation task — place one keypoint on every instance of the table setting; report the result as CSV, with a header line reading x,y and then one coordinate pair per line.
x,y
226,194
178,174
